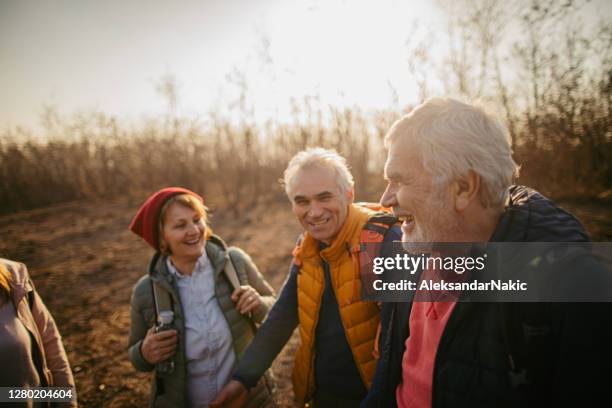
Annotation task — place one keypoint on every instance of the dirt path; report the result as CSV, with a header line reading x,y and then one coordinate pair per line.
x,y
84,262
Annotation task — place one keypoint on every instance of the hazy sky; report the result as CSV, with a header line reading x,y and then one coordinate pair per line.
x,y
109,55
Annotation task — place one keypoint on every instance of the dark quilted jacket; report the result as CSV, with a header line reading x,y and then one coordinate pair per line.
x,y
571,361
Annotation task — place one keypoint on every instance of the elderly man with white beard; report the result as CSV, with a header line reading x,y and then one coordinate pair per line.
x,y
449,172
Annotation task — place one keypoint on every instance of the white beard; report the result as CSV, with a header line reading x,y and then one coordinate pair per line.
x,y
440,225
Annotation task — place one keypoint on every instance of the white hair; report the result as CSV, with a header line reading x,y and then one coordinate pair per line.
x,y
318,157
453,137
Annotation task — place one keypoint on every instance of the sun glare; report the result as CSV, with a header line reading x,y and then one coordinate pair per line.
x,y
336,52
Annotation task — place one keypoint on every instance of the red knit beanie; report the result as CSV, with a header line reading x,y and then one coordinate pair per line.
x,y
146,220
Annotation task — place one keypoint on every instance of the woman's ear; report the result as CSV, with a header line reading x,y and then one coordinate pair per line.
x,y
465,190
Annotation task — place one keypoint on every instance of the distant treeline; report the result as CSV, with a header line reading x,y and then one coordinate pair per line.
x,y
237,167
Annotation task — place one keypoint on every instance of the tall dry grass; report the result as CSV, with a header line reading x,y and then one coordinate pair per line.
x,y
238,167
235,166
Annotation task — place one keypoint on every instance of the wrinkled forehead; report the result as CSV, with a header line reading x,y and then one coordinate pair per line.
x,y
313,180
402,155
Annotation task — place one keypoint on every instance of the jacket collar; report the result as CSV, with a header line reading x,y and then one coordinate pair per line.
x,y
347,238
531,217
216,249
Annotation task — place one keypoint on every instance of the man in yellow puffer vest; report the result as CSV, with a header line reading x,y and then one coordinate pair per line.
x,y
334,364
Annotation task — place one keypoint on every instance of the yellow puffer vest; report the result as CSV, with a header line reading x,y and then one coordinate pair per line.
x,y
360,319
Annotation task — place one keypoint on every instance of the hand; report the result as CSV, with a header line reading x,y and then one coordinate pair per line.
x,y
247,299
233,395
158,347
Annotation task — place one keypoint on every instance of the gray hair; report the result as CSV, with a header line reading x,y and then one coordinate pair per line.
x,y
453,137
321,158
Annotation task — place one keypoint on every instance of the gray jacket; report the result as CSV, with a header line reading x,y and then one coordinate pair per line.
x,y
171,390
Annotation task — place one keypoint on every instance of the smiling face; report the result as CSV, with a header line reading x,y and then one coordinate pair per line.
x,y
426,209
183,232
318,203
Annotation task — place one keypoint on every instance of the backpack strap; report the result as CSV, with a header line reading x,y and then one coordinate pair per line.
x,y
296,252
373,232
370,243
161,299
383,217
377,227
232,276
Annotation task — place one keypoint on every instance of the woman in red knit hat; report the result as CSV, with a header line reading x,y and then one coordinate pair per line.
x,y
195,311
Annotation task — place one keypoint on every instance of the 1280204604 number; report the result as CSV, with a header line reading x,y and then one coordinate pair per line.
x,y
40,393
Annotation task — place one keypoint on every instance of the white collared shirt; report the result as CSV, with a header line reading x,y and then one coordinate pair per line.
x,y
208,340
